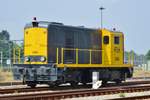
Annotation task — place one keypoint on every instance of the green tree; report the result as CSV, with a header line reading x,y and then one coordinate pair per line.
x,y
4,42
148,55
4,35
4,45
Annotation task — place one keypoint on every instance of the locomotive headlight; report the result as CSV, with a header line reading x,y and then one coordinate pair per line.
x,y
27,59
43,59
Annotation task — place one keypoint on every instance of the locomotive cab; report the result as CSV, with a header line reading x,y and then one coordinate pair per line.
x,y
113,46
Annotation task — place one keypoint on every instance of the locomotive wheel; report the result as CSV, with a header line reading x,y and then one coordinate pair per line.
x,y
24,80
32,85
118,81
104,82
52,85
84,83
73,83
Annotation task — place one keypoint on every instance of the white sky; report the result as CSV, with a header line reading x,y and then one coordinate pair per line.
x,y
128,16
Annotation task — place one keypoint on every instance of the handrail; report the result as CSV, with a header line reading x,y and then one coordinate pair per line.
x,y
15,57
76,54
61,58
130,56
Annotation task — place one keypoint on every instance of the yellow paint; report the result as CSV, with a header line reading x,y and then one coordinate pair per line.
x,y
92,65
90,56
57,56
35,43
117,49
77,55
62,55
14,55
113,53
106,54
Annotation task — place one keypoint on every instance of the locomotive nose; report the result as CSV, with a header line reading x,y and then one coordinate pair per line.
x,y
35,45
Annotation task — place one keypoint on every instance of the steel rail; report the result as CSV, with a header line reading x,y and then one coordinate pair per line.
x,y
110,85
74,93
133,98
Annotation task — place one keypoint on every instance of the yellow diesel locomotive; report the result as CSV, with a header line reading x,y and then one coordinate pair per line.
x,y
55,53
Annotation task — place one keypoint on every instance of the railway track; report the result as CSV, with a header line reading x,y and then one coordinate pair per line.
x,y
20,82
44,93
19,90
37,89
27,89
46,88
49,95
133,98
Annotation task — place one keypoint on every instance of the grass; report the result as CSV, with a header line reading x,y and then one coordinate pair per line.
x,y
6,76
122,95
140,72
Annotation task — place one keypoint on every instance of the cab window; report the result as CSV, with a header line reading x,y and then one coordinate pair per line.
x,y
116,40
106,39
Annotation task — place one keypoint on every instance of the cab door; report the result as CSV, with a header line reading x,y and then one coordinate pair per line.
x,y
117,50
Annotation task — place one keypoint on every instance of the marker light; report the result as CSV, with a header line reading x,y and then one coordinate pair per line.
x,y
27,59
43,59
